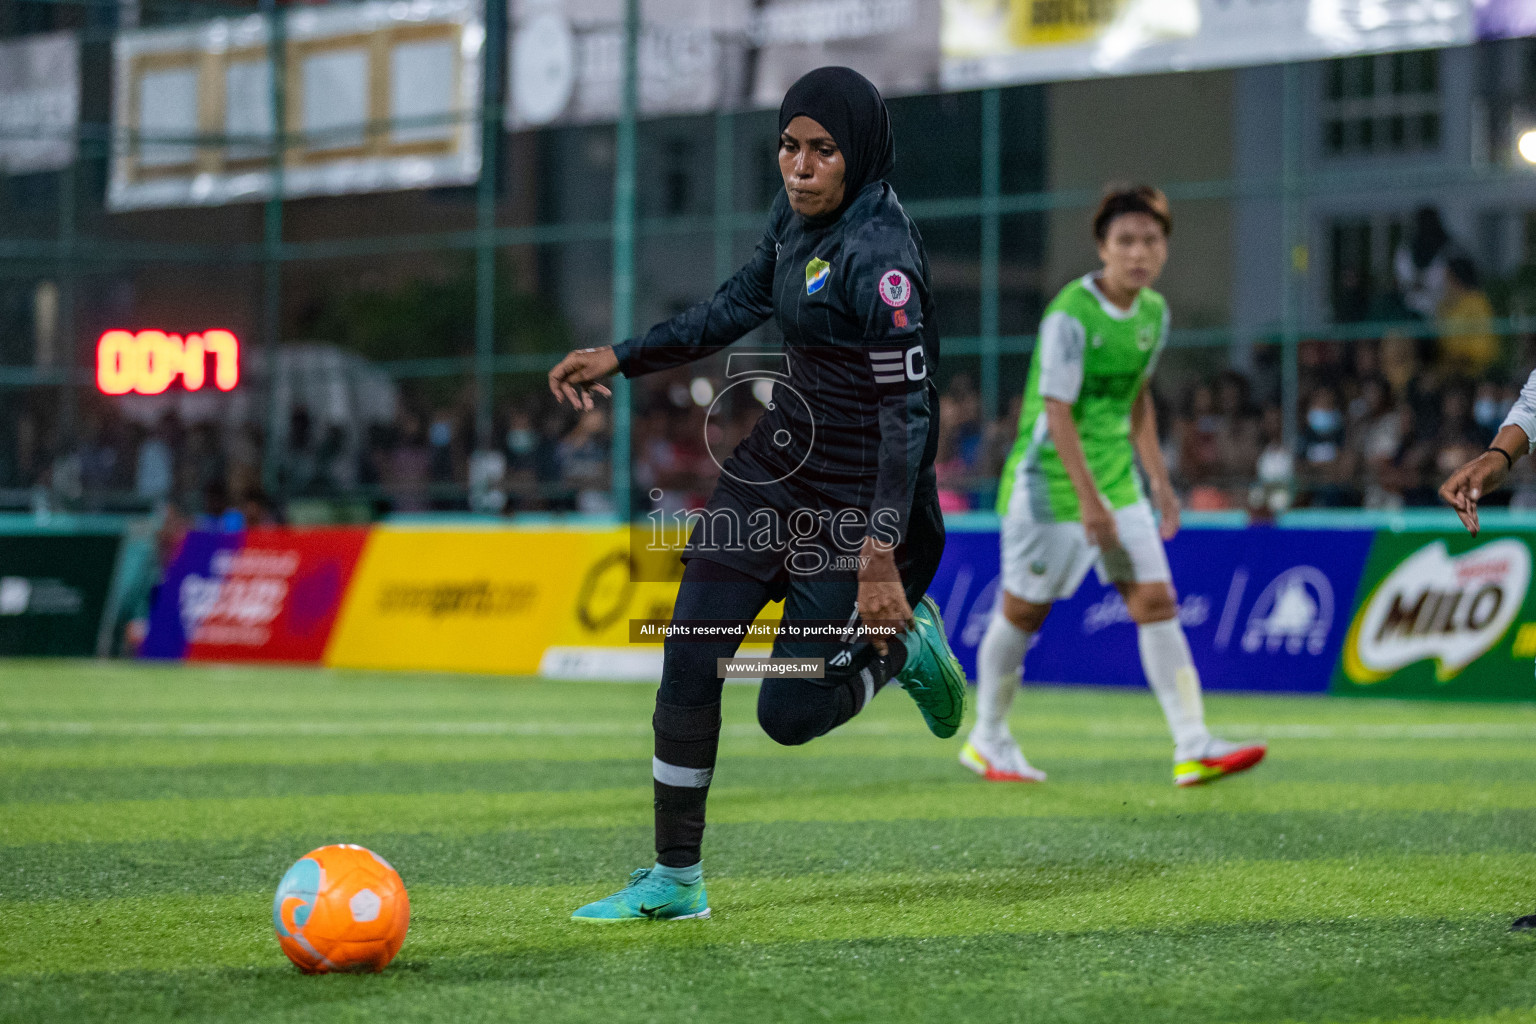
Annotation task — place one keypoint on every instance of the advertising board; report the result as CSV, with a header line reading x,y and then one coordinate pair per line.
x,y
1264,609
262,595
1443,615
192,105
53,589
565,56
1352,611
39,102
992,42
493,600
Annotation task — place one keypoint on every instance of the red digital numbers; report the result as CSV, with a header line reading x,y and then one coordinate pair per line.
x,y
148,362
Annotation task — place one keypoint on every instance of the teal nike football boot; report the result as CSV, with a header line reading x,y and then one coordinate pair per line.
x,y
649,896
932,676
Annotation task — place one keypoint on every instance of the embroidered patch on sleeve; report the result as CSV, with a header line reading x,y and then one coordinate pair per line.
x,y
895,289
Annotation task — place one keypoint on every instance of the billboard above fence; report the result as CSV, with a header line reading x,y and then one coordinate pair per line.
x,y
565,56
378,96
1505,19
39,102
384,96
993,42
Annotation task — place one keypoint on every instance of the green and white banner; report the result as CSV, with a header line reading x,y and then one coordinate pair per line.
x,y
1443,615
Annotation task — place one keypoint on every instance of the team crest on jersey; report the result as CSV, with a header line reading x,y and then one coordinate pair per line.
x,y
1146,337
816,274
899,317
895,289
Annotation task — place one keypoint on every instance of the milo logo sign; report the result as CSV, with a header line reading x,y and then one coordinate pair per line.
x,y
1448,610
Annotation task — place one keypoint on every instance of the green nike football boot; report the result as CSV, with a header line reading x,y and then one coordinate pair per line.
x,y
649,897
932,676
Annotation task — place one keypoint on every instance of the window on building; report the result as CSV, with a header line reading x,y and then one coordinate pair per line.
x,y
1361,278
1382,104
1528,247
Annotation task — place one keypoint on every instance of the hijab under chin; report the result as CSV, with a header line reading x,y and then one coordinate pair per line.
x,y
850,108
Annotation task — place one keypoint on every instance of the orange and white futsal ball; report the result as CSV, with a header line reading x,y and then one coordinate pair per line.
x,y
341,908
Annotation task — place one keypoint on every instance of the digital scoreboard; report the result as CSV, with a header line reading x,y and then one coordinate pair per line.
x,y
150,362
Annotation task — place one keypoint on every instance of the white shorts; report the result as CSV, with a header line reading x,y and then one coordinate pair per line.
x,y
1046,562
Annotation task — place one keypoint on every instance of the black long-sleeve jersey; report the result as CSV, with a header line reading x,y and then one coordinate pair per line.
x,y
855,424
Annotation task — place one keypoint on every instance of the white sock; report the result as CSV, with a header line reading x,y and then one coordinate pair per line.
x,y
999,667
1171,673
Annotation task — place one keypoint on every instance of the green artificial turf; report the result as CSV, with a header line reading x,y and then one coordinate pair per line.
x,y
1367,871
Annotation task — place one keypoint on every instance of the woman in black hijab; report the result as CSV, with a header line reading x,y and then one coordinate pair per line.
x,y
830,502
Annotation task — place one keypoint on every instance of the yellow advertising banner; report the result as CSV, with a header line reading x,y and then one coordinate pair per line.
x,y
1054,22
458,599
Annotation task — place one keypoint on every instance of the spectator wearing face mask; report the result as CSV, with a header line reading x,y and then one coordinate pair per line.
x,y
1327,463
1489,407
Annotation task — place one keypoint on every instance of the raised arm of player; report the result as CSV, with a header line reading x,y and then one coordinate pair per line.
x,y
1488,471
1150,452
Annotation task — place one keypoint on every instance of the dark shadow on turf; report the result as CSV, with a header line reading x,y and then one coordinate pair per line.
x,y
1259,973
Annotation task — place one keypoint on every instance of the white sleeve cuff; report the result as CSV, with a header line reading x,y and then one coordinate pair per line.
x,y
1523,415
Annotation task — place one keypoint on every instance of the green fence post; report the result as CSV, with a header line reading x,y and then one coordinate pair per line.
x,y
1291,240
66,345
725,197
624,252
272,247
492,77
991,244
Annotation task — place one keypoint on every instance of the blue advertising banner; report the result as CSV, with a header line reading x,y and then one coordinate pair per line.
x,y
189,590
1264,609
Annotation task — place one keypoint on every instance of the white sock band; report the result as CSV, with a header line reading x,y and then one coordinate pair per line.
x,y
999,668
1171,673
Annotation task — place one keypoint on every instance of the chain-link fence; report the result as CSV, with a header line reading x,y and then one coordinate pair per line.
x,y
1350,280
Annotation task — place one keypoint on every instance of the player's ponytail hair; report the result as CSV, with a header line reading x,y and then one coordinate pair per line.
x,y
1122,199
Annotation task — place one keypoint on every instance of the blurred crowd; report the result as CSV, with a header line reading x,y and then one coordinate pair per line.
x,y
1382,420
213,472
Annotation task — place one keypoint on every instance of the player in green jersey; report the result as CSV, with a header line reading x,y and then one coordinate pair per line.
x,y
1070,496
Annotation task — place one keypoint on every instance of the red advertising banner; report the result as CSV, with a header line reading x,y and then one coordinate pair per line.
x,y
272,597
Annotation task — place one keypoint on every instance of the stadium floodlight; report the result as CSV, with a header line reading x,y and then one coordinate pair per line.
x,y
1527,146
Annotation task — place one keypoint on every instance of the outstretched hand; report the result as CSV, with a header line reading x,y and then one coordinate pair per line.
x,y
575,377
1469,483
